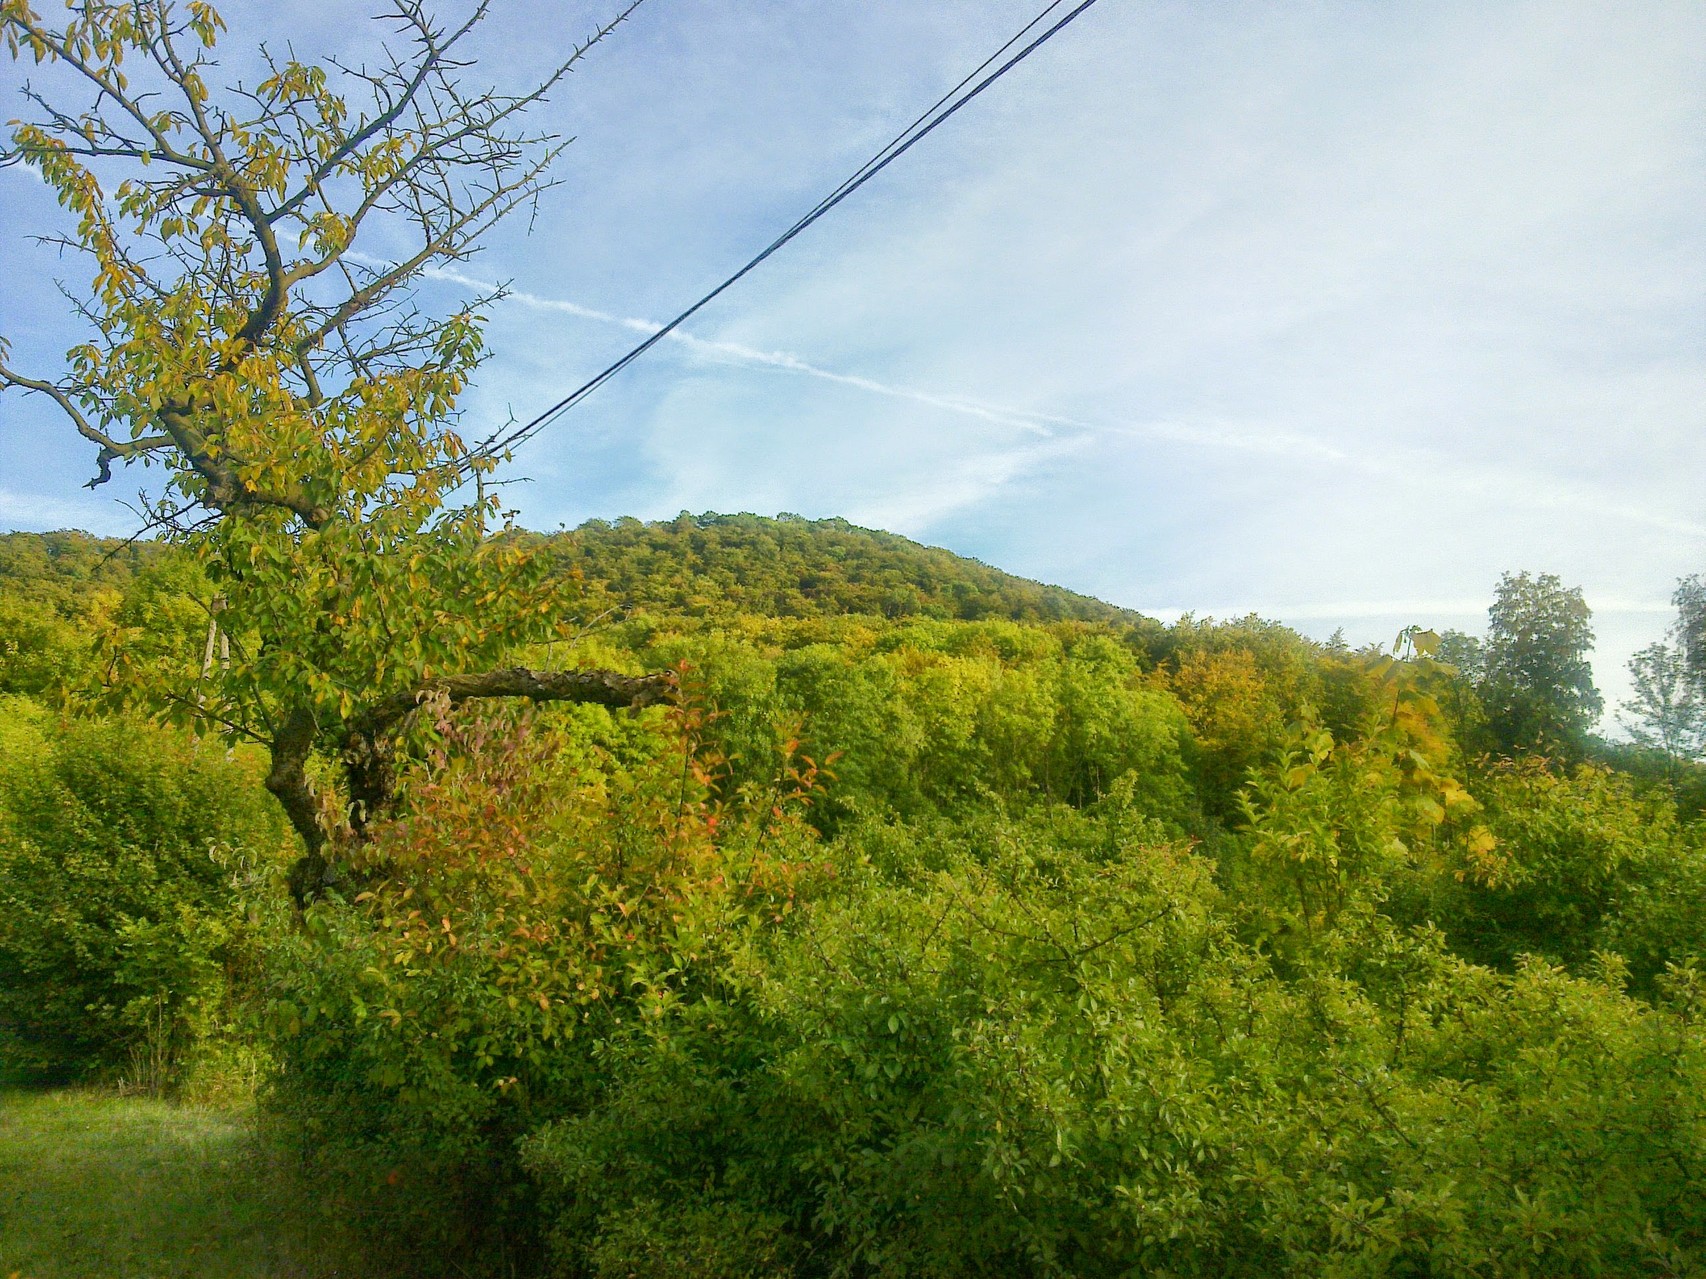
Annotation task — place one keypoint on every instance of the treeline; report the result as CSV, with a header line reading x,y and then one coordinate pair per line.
x,y
60,588
720,565
957,938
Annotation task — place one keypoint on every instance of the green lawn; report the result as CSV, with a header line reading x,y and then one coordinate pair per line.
x,y
95,1186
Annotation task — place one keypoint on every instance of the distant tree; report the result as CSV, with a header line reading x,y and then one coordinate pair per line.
x,y
253,328
1536,681
1464,652
1459,693
1690,600
1667,712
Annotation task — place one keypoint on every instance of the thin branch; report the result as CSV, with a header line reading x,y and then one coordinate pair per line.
x,y
148,522
200,709
116,448
380,123
62,51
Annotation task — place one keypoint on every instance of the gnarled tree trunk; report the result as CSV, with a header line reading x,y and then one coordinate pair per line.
x,y
367,750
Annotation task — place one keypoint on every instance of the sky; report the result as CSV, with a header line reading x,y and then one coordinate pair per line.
x,y
1333,312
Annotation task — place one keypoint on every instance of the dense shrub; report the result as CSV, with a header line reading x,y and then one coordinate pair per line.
x,y
942,720
117,845
1589,861
935,718
611,1019
1051,1056
553,882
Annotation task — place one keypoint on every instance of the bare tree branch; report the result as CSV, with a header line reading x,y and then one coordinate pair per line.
x,y
594,687
111,449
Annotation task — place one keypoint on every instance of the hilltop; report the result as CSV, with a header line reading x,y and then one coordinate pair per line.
x,y
789,566
707,565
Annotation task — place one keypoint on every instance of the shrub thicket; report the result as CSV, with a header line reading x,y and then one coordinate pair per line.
x,y
910,946
605,1011
118,933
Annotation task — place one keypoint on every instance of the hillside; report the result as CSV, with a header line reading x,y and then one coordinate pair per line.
x,y
56,589
59,590
60,568
792,567
697,565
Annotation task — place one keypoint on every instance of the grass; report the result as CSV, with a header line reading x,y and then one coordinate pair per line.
x,y
99,1186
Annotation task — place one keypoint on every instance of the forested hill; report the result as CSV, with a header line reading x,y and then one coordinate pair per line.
x,y
59,567
59,590
697,565
793,567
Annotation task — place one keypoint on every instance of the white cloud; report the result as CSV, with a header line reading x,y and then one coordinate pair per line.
x,y
43,513
1423,611
976,478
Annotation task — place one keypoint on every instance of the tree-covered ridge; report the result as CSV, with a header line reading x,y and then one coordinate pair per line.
x,y
60,592
715,565
706,566
72,560
62,577
63,593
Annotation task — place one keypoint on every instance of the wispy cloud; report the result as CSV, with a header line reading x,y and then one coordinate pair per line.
x,y
735,352
36,511
915,507
1274,443
980,476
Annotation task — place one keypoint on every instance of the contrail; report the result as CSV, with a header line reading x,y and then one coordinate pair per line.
x,y
1543,492
1037,423
750,355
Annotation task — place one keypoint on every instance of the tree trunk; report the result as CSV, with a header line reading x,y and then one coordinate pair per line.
x,y
368,749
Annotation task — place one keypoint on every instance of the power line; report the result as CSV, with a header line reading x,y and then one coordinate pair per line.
x,y
937,114
902,143
870,165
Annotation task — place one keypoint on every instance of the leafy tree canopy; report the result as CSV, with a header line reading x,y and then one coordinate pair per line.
x,y
715,565
1690,600
1666,712
1536,679
253,329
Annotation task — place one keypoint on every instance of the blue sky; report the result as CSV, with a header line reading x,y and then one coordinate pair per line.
x,y
1330,311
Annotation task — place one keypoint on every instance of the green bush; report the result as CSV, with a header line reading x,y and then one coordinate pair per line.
x,y
1053,1057
118,934
594,1013
945,720
1588,861
551,883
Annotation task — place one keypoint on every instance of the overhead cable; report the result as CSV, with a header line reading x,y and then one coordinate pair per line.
x,y
903,142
